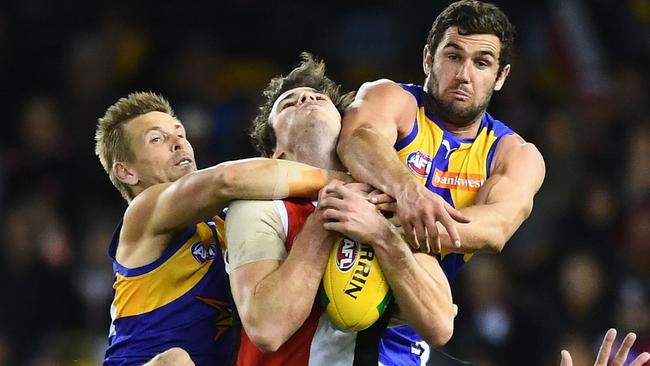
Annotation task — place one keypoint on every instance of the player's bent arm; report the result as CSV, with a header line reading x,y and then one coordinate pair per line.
x,y
275,297
504,201
420,288
417,281
381,113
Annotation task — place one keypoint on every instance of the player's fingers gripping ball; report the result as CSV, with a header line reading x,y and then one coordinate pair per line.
x,y
355,292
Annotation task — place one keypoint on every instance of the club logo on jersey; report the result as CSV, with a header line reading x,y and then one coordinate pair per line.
x,y
450,149
203,253
419,163
460,181
346,254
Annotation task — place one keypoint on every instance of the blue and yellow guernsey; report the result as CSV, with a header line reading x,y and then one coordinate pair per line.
x,y
455,169
452,167
180,300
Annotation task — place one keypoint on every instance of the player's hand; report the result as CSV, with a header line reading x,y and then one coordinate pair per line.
x,y
418,209
347,211
606,348
384,202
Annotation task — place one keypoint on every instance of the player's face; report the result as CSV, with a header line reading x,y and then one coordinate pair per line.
x,y
162,153
303,113
462,74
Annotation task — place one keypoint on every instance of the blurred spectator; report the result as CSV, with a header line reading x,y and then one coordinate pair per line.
x,y
583,287
38,296
94,272
485,316
637,177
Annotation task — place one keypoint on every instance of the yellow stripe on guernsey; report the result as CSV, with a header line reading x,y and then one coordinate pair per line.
x,y
172,279
221,232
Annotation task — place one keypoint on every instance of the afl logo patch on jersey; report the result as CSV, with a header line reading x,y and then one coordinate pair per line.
x,y
203,253
346,254
419,163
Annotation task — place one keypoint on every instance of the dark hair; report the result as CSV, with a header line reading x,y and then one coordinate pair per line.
x,y
309,73
475,17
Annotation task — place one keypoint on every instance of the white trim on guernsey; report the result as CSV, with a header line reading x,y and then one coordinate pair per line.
x,y
330,346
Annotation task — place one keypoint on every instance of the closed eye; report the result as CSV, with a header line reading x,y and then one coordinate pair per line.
x,y
288,104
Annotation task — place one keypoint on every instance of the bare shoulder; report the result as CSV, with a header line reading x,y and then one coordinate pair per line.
x,y
386,105
384,88
136,226
515,153
514,147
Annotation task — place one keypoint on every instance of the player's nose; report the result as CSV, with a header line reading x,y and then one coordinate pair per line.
x,y
306,96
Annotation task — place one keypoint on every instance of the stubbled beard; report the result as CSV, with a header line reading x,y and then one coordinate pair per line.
x,y
454,114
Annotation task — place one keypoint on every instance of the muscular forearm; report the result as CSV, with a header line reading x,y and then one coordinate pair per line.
x,y
370,158
504,201
261,178
206,192
423,297
489,230
282,301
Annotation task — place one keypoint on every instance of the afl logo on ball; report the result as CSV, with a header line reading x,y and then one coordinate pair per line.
x,y
419,163
346,254
203,253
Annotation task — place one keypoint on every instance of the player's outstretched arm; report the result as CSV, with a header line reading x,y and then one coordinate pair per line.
x,y
159,212
606,348
381,113
416,280
274,296
204,193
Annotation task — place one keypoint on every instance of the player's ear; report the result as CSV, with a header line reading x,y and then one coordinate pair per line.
x,y
427,60
502,77
125,174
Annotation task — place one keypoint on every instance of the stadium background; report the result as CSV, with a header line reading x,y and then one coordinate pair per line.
x,y
578,90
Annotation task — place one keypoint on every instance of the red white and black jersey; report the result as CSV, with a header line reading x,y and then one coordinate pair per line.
x,y
317,342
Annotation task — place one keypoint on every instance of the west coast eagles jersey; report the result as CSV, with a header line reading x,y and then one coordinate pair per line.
x,y
180,300
455,169
452,167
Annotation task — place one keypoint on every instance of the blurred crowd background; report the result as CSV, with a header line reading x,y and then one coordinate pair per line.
x,y
579,90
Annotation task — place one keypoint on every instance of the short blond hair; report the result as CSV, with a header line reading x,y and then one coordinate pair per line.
x,y
112,143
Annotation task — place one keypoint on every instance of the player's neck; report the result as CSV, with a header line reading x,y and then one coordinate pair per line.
x,y
318,155
464,131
